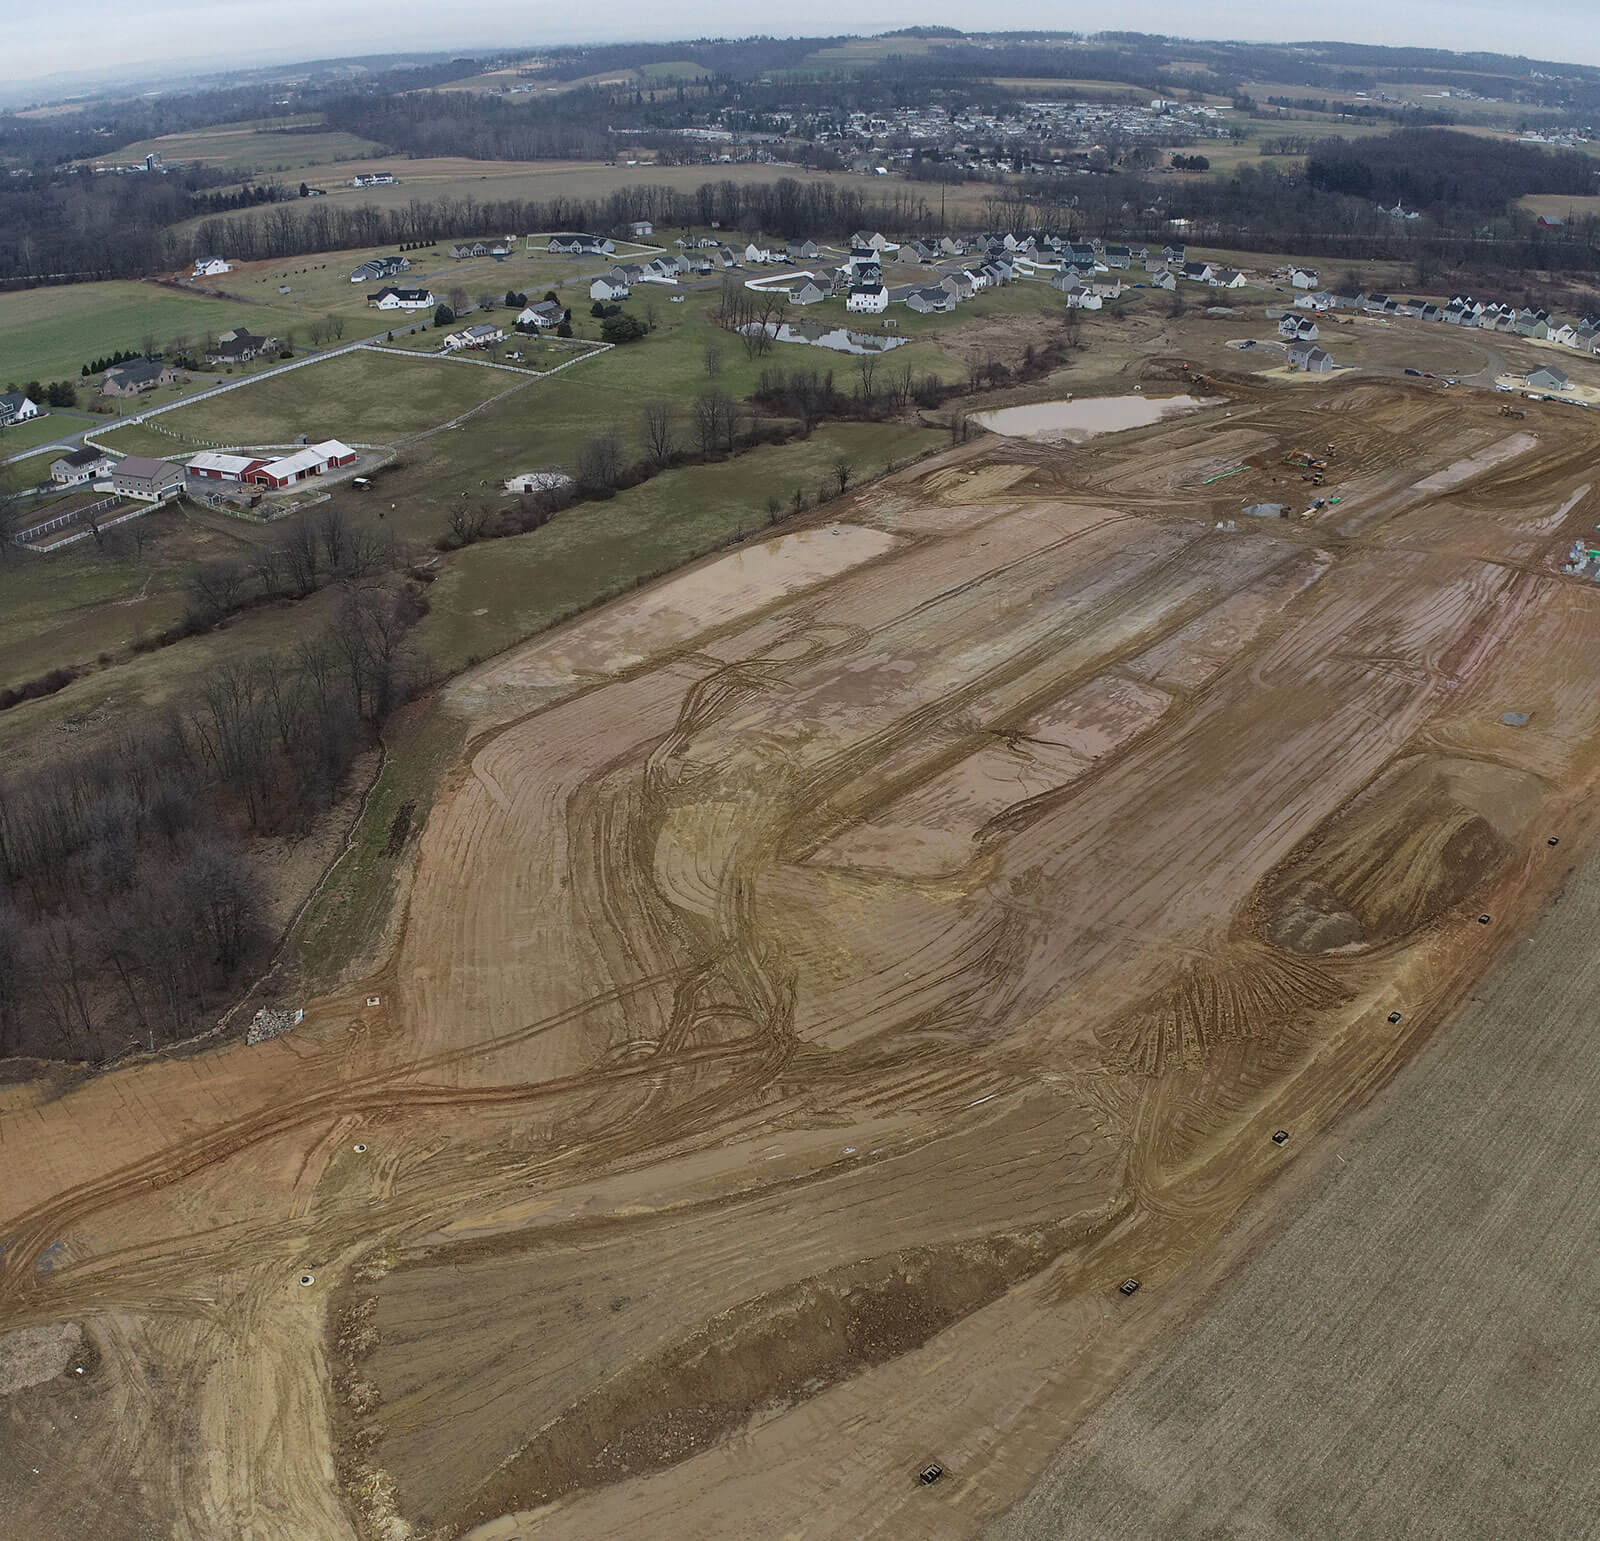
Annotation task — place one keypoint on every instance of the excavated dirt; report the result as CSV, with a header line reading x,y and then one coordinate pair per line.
x,y
824,977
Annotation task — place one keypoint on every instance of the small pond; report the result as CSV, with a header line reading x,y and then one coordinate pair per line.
x,y
1087,417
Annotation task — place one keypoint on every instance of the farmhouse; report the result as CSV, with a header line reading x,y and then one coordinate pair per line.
x,y
217,467
140,374
136,477
311,461
79,465
209,267
868,297
545,314
480,336
16,408
389,298
372,179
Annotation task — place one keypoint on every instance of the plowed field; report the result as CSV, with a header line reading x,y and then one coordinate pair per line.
x,y
824,977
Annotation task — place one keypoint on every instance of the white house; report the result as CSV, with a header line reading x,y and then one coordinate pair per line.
x,y
873,298
545,315
641,228
209,267
1304,278
1228,278
402,299
479,336
80,465
754,253
608,288
16,408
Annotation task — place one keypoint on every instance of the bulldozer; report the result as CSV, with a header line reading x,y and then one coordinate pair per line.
x,y
1507,410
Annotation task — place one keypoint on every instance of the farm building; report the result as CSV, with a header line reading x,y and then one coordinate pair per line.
x,y
311,461
218,467
135,476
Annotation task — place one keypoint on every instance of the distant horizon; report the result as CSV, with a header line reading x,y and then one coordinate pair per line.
x,y
47,64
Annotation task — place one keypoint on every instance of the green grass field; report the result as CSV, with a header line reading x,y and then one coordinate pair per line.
x,y
51,333
366,397
257,146
672,70
596,549
46,428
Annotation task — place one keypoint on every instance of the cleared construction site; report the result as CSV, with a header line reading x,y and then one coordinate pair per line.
x,y
826,980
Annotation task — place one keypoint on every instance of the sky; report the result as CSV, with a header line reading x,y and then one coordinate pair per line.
x,y
208,33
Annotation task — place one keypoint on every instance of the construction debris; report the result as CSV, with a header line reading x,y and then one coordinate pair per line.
x,y
267,1024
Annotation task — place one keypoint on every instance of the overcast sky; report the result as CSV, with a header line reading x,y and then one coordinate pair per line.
x,y
45,41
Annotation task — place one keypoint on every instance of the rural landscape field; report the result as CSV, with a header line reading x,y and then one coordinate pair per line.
x,y
801,789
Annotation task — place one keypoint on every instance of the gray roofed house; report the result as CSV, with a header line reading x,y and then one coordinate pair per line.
x,y
1548,378
809,292
1309,357
932,297
140,374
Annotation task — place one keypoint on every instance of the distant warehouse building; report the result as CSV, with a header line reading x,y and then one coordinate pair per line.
x,y
135,476
311,461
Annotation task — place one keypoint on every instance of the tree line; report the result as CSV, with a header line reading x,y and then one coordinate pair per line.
x,y
133,900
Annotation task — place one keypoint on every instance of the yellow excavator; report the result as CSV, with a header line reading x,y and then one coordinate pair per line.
x,y
1304,460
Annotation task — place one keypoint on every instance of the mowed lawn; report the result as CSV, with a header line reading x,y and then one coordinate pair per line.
x,y
50,334
364,397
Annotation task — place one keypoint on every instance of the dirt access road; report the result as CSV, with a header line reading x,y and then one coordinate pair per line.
x,y
826,974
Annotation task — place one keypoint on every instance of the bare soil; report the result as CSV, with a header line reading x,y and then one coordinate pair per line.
x,y
823,977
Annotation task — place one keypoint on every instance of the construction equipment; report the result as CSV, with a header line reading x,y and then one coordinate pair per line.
x,y
1129,1287
1507,410
1304,460
1316,478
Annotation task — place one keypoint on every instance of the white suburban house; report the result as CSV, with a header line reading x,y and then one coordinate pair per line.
x,y
80,465
1304,278
608,288
545,315
402,299
873,298
1309,357
16,408
481,335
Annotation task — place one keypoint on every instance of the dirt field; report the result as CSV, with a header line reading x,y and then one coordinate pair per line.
x,y
1454,1221
823,976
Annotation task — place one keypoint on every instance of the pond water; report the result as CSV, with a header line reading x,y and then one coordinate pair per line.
x,y
1074,421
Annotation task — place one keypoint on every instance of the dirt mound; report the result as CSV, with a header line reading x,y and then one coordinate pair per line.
x,y
1247,991
1421,840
